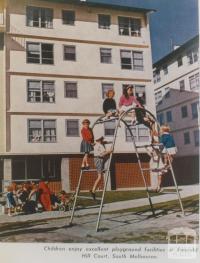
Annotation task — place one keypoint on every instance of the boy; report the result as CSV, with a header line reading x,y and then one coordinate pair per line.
x,y
100,154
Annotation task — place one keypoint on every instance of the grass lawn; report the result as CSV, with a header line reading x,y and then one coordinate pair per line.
x,y
116,196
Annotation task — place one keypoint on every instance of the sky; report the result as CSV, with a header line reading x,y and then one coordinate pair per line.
x,y
175,21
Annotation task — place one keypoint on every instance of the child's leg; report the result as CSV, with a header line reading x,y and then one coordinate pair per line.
x,y
96,182
85,160
159,181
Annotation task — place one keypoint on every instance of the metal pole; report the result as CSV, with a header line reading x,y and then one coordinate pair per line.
x,y
76,196
175,183
107,176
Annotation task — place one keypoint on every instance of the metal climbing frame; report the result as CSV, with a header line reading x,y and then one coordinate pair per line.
x,y
121,118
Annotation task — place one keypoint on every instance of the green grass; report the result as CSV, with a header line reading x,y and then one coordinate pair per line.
x,y
117,196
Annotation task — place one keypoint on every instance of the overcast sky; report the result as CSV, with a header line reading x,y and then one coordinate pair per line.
x,y
175,19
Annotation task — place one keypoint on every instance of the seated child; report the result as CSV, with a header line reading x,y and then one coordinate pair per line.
x,y
109,104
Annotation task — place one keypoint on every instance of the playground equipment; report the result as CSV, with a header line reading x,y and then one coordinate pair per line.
x,y
125,119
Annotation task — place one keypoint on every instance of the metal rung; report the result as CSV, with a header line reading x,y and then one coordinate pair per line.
x,y
153,169
88,197
89,170
107,120
149,145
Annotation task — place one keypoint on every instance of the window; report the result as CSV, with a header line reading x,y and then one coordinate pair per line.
x,y
39,53
182,85
70,53
40,91
104,21
132,60
109,128
106,55
192,56
167,92
72,128
39,17
156,76
105,88
196,138
195,107
68,17
140,133
71,90
186,138
194,82
165,69
42,131
160,118
169,116
180,61
129,26
158,96
184,112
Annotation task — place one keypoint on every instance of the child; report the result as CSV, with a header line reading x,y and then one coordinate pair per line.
x,y
100,154
10,201
109,104
128,101
87,143
157,166
168,142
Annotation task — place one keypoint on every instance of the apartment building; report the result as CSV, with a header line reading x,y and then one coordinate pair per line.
x,y
59,58
176,79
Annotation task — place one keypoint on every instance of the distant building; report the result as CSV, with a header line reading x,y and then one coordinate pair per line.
x,y
176,80
58,58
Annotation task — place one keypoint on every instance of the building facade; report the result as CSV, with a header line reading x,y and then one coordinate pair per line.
x,y
59,58
176,79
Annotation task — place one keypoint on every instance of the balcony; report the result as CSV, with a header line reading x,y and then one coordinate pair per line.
x,y
2,21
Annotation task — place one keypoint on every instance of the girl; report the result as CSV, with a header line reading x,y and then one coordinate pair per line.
x,y
168,142
45,195
87,143
109,104
10,201
128,101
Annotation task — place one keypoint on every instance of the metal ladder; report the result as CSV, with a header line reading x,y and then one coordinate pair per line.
x,y
107,170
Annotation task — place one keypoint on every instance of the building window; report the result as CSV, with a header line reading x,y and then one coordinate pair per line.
x,y
182,85
104,21
165,69
195,107
192,56
68,17
169,116
105,88
196,138
40,91
39,53
39,17
72,128
186,138
140,133
42,131
158,96
160,118
194,82
184,112
167,92
129,26
106,55
180,61
71,90
132,60
109,128
70,53
156,76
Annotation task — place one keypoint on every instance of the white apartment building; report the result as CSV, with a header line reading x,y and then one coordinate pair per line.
x,y
176,80
59,58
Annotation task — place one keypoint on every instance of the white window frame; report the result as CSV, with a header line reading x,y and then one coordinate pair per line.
x,y
39,53
48,24
65,89
66,128
105,26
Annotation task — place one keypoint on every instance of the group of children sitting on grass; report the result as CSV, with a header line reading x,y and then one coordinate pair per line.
x,y
139,116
